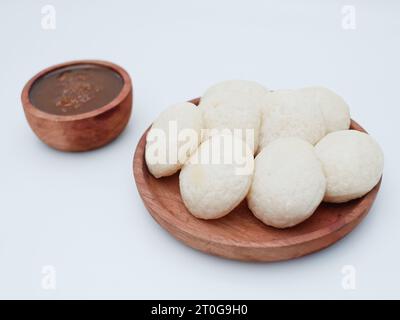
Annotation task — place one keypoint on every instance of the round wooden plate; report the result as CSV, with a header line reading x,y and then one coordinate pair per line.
x,y
240,235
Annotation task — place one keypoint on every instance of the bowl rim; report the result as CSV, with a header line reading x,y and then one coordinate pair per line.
x,y
122,95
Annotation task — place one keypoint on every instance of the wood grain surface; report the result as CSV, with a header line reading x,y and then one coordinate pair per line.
x,y
240,235
85,131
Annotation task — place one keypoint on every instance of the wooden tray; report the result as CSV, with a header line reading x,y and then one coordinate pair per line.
x,y
240,235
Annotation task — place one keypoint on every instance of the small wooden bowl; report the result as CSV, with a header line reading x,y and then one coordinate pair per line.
x,y
240,235
85,131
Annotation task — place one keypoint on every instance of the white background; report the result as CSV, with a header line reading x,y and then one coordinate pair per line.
x,y
81,213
